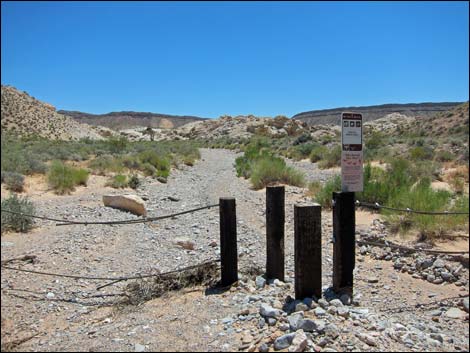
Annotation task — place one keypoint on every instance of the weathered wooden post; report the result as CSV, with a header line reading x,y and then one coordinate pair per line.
x,y
228,241
307,248
275,220
344,241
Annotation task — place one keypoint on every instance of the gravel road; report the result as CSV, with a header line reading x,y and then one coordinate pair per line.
x,y
64,315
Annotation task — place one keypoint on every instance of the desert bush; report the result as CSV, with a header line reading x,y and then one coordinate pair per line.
x,y
420,153
332,158
317,153
13,181
401,187
106,163
302,139
271,170
134,181
17,222
118,181
301,151
314,188
445,156
63,178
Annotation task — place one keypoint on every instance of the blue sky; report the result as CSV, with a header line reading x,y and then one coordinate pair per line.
x,y
215,58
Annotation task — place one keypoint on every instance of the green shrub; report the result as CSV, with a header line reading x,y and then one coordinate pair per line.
x,y
420,153
332,158
270,170
106,163
318,153
314,188
325,194
445,156
63,178
134,181
13,181
17,222
118,181
81,176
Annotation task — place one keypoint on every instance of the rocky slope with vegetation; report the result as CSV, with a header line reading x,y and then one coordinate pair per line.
x,y
27,116
332,116
129,120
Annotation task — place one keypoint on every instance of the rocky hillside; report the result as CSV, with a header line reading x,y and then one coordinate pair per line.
x,y
333,116
131,120
25,115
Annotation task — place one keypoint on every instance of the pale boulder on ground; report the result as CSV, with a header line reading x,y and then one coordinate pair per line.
x,y
131,203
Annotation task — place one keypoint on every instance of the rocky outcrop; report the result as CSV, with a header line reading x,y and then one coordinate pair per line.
x,y
333,116
131,120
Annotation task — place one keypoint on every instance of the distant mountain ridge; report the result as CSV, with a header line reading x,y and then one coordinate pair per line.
x,y
333,116
129,119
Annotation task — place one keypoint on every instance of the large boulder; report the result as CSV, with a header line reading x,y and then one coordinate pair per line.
x,y
131,203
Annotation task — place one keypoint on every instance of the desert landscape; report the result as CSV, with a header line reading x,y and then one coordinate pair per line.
x,y
231,176
405,299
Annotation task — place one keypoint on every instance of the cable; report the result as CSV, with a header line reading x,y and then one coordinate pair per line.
x,y
407,210
365,242
64,222
122,278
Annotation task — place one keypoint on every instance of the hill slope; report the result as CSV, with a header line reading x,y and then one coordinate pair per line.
x,y
130,120
332,116
25,115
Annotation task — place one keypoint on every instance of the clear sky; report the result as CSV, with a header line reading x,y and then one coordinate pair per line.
x,y
215,58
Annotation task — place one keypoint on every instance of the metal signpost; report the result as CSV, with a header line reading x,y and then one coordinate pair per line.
x,y
344,212
351,152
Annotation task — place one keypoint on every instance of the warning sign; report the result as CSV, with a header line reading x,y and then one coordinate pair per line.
x,y
351,154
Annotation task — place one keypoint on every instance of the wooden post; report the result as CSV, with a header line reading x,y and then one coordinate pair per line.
x,y
344,241
275,220
228,241
307,248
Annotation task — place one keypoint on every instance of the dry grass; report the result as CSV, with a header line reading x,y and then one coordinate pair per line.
x,y
147,289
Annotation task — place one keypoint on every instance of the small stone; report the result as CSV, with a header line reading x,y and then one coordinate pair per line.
x,y
465,304
372,280
139,348
343,312
446,276
323,303
367,339
336,302
309,325
268,311
263,348
283,341
261,323
295,320
439,263
319,312
456,313
260,282
345,299
299,343
308,302
284,327
301,307
50,295
272,321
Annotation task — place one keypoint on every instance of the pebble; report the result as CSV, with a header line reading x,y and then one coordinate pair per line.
x,y
284,341
299,343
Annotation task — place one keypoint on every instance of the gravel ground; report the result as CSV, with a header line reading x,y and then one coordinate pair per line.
x,y
64,315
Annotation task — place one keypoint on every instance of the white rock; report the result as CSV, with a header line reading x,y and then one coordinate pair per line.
x,y
299,343
131,203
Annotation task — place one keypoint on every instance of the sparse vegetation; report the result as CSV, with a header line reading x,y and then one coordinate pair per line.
x,y
15,221
63,178
263,168
13,181
118,181
402,186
